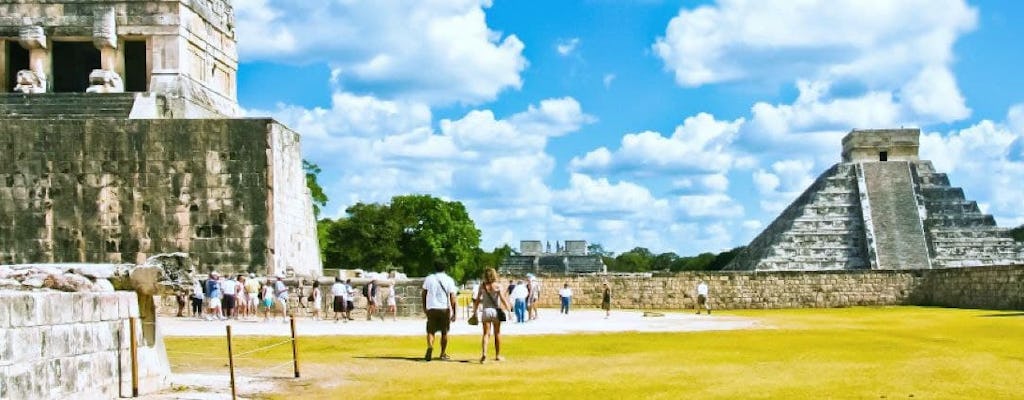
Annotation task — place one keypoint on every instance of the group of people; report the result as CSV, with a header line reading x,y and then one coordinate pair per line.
x,y
343,296
234,297
524,296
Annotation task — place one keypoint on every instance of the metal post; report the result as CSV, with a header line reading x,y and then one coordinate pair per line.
x,y
134,346
231,363
295,350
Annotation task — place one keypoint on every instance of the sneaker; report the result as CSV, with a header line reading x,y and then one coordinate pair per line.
x,y
444,357
429,355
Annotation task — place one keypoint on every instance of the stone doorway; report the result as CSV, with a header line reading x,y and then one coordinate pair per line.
x,y
17,60
72,64
135,79
883,156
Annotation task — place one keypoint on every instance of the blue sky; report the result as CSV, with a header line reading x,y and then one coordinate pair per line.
x,y
680,127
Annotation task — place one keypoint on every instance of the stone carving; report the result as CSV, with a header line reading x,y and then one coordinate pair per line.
x,y
32,37
30,82
103,81
104,29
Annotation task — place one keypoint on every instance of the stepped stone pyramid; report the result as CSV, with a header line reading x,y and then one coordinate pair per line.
x,y
880,208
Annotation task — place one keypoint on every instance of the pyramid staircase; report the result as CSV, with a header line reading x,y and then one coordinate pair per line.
x,y
66,105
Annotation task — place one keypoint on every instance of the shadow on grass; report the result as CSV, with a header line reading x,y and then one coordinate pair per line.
x,y
1013,314
413,359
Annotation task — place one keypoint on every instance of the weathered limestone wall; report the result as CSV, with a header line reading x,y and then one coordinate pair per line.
x,y
992,287
112,191
292,222
1000,287
72,346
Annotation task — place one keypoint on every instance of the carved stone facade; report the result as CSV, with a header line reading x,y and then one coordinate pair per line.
x,y
181,50
570,258
881,208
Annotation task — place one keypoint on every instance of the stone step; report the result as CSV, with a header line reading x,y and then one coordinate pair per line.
x,y
958,221
952,207
935,179
66,105
970,232
936,193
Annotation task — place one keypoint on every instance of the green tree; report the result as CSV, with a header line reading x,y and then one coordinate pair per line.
x,y
638,259
664,261
433,229
1018,233
367,238
596,248
315,191
722,259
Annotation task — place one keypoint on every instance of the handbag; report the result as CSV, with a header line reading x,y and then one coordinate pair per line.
x,y
473,320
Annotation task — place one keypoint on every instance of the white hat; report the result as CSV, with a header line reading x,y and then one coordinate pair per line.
x,y
252,274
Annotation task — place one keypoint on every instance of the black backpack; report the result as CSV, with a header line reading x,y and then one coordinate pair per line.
x,y
366,290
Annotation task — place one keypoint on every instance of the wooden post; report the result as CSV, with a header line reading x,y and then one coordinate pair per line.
x,y
134,346
231,363
295,350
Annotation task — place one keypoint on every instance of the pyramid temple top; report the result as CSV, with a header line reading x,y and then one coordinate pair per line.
x,y
872,145
181,50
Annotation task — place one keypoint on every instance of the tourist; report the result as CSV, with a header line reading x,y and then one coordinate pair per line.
x,y
338,300
565,294
606,301
179,297
229,288
241,299
252,294
511,287
370,292
213,295
702,297
267,299
439,304
349,299
519,294
197,299
281,297
491,298
392,304
533,298
317,298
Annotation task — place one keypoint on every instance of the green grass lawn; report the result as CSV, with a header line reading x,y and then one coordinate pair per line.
x,y
859,353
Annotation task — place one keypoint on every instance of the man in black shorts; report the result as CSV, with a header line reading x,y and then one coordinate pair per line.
x,y
439,304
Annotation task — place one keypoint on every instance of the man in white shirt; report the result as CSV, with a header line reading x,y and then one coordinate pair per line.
x,y
439,304
281,292
340,293
230,289
565,293
519,294
702,297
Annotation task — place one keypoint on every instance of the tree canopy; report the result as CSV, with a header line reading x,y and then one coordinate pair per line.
x,y
408,234
316,192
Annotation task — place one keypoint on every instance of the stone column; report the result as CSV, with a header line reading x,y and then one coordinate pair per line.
x,y
33,79
104,37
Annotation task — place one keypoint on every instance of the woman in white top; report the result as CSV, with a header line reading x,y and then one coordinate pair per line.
x,y
492,298
392,304
318,300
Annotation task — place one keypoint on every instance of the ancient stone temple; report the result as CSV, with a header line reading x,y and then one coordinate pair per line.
x,y
880,208
570,258
121,140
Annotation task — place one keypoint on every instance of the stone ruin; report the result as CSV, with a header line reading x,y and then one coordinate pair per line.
x,y
122,141
570,258
880,208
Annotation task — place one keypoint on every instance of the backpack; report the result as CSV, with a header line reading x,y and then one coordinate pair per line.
x,y
366,290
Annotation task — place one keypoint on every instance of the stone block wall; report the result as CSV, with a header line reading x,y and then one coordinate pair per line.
x,y
999,287
991,287
113,191
69,345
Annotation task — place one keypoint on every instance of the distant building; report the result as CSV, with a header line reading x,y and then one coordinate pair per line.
x,y
568,258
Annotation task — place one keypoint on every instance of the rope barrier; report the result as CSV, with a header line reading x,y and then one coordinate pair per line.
x,y
263,348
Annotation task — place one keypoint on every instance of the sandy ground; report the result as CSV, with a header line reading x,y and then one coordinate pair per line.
x,y
211,387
